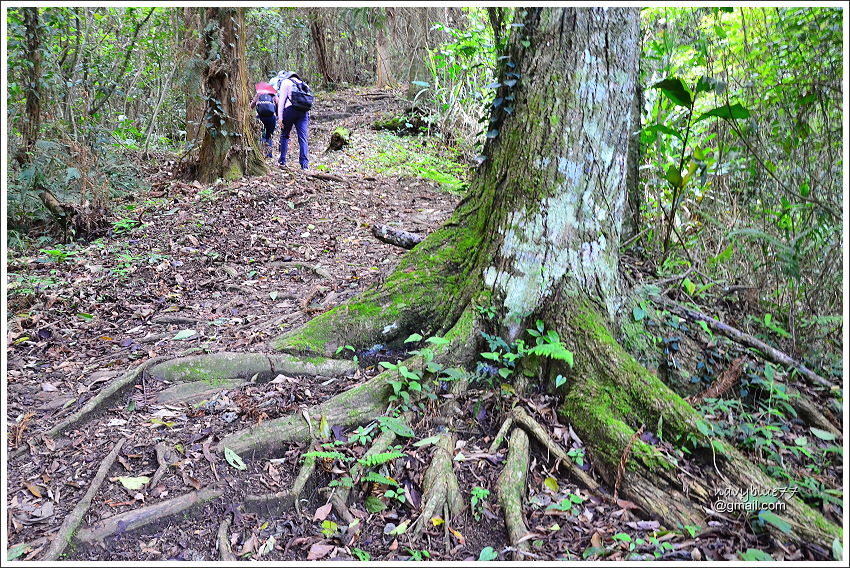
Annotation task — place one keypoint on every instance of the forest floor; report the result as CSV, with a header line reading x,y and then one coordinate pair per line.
x,y
227,268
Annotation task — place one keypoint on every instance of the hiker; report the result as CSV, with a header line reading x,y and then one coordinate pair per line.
x,y
295,102
266,102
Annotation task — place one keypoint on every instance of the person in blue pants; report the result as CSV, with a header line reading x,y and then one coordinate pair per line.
x,y
266,105
287,117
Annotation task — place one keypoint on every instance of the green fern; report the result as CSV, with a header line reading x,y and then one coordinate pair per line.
x,y
326,455
378,478
379,459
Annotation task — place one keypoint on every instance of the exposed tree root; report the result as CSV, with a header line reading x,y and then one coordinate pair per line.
x,y
75,517
358,405
224,551
274,504
511,489
96,404
138,518
501,435
440,490
534,428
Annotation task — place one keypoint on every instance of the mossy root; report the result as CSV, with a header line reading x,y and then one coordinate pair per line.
x,y
511,489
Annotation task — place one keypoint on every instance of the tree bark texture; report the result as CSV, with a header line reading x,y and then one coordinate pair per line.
x,y
229,149
317,34
32,119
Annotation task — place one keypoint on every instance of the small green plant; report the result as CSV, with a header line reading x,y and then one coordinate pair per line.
x,y
361,555
418,555
362,435
58,255
570,503
476,501
343,348
577,455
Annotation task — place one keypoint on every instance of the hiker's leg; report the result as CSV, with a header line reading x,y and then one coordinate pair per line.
x,y
268,131
284,135
301,128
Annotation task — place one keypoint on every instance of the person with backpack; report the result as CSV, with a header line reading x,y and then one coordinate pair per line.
x,y
266,102
296,100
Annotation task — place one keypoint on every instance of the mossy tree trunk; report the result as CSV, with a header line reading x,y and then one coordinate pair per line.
x,y
537,237
229,149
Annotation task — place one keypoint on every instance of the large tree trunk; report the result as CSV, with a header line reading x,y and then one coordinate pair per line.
x,y
32,118
229,149
191,80
537,237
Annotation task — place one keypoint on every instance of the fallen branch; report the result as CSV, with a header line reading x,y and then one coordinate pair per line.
x,y
770,353
75,517
327,177
396,237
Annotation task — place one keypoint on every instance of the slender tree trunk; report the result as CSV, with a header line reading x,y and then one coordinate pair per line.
x,y
229,149
32,86
536,238
317,34
383,21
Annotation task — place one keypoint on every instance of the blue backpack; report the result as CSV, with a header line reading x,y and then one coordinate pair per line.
x,y
301,97
265,105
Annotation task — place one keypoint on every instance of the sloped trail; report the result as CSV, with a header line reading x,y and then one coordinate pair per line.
x,y
221,270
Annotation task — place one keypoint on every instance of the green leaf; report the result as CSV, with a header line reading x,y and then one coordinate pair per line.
x,y
401,528
804,189
676,91
234,460
638,313
706,84
755,554
551,484
421,83
689,286
492,356
396,425
184,334
273,295
374,504
775,520
823,434
664,130
413,338
488,553
673,176
726,111
427,441
20,549
504,372
134,483
837,550
437,340
723,256
560,380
